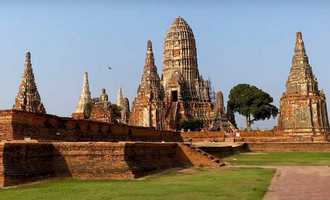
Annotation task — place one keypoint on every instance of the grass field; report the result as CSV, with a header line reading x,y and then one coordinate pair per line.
x,y
247,183
280,158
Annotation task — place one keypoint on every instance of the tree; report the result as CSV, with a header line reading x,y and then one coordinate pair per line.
x,y
251,102
231,116
190,124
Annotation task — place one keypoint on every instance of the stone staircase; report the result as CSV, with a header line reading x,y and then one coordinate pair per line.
x,y
199,157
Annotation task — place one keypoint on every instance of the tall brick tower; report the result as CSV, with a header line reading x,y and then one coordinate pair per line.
x,y
28,98
181,94
187,94
303,109
180,57
148,106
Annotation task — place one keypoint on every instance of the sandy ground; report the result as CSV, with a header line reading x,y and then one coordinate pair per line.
x,y
300,183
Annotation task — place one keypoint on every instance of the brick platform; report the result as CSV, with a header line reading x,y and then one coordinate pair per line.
x,y
288,146
18,125
22,162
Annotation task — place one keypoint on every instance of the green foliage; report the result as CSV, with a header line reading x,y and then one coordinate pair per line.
x,y
231,116
220,184
191,124
251,102
116,111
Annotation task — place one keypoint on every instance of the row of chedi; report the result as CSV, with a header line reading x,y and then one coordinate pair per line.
x,y
181,93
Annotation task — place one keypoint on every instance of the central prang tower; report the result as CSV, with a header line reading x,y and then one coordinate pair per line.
x,y
187,94
180,62
181,93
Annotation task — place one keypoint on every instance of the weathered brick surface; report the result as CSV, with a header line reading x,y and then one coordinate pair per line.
x,y
303,109
24,162
205,136
1,165
6,130
257,133
17,125
249,136
181,93
197,157
287,147
279,136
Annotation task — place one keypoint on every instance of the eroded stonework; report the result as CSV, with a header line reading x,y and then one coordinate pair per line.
x,y
98,109
83,110
101,109
28,98
303,109
148,107
181,93
123,104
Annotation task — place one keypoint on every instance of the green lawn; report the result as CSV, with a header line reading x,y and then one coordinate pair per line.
x,y
280,158
245,183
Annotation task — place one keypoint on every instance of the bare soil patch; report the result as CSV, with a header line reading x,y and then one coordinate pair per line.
x,y
300,183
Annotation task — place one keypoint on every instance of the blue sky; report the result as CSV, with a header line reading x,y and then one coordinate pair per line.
x,y
241,42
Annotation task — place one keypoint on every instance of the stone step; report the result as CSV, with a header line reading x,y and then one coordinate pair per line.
x,y
209,156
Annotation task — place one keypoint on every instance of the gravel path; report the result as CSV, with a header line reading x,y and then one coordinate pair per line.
x,y
300,183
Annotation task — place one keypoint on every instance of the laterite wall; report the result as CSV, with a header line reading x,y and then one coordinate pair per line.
x,y
203,136
22,162
288,147
17,125
25,162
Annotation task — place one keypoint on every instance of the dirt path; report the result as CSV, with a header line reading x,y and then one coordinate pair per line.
x,y
300,183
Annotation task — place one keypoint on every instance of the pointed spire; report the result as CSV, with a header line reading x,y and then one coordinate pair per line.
x,y
303,109
150,61
85,97
120,97
28,57
28,98
301,79
150,81
149,45
300,47
300,57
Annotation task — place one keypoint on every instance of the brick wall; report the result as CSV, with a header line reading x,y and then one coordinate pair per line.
x,y
6,130
287,147
266,133
25,162
249,136
22,163
204,136
17,125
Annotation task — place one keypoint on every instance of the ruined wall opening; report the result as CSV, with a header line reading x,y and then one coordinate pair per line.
x,y
174,96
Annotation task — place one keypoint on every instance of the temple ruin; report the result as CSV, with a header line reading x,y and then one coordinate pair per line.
x,y
98,109
181,93
303,109
28,98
